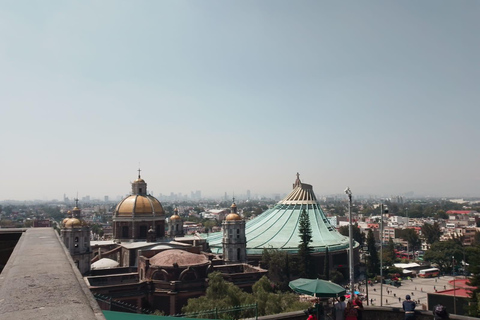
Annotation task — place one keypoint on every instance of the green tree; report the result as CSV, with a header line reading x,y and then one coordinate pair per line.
x,y
389,256
373,265
441,253
358,235
474,268
304,249
411,236
277,263
336,276
431,232
219,294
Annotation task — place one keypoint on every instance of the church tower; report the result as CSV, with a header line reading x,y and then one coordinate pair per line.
x,y
175,225
76,237
234,241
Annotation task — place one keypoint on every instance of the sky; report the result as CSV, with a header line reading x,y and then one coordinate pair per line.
x,y
228,96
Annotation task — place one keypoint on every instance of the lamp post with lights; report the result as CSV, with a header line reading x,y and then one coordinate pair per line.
x,y
350,251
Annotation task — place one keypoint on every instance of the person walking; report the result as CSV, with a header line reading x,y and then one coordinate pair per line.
x,y
350,312
340,309
409,308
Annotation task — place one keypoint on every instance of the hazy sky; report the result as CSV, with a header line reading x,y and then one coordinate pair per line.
x,y
382,96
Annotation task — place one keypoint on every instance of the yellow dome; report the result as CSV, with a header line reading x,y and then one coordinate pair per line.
x,y
65,220
139,205
175,217
233,216
139,180
233,205
73,222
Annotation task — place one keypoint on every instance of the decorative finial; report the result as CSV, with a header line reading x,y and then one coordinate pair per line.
x,y
76,201
298,175
139,173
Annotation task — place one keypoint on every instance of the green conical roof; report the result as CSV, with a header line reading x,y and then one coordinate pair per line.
x,y
277,228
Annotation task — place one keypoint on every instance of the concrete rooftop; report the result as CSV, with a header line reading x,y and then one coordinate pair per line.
x,y
41,281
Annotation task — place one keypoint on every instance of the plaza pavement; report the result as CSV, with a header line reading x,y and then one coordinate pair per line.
x,y
415,286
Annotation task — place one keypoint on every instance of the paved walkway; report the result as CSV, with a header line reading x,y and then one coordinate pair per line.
x,y
417,288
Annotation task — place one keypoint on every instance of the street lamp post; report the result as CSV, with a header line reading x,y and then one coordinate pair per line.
x,y
366,274
350,251
381,255
408,251
454,289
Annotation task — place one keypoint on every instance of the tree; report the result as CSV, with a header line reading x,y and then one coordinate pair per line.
x,y
431,232
373,265
358,235
304,249
277,263
389,256
441,253
411,236
474,268
221,294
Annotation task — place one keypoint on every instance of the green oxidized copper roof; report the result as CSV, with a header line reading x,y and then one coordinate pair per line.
x,y
278,227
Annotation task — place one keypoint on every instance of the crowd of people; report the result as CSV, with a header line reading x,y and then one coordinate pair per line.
x,y
353,310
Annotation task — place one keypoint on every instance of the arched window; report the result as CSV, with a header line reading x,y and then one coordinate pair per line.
x,y
238,254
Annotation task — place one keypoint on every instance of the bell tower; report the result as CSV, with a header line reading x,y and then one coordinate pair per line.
x,y
234,241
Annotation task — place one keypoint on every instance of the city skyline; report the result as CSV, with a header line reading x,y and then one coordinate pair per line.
x,y
233,96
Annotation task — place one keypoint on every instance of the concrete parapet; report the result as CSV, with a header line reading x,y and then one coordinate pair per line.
x,y
41,281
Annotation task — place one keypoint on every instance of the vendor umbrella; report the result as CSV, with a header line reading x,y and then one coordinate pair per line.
x,y
317,288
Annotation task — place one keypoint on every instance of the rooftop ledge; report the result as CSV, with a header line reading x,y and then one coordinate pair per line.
x,y
41,281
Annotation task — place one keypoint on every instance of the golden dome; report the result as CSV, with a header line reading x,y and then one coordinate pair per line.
x,y
233,205
73,222
139,205
139,180
65,220
232,217
175,217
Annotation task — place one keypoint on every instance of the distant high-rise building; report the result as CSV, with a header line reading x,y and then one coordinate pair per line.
x,y
105,198
248,194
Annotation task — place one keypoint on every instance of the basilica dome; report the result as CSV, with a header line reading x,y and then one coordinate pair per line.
x,y
139,205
